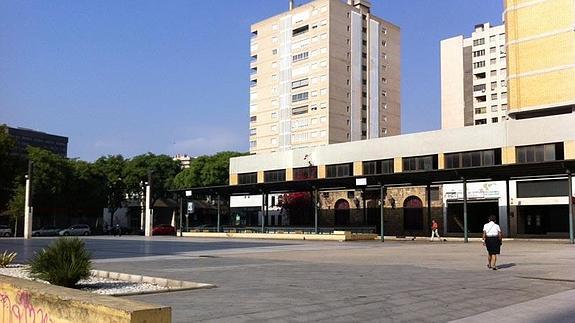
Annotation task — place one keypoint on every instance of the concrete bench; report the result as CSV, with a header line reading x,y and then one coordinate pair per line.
x,y
29,301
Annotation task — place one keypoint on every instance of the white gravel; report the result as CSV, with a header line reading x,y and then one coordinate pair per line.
x,y
93,284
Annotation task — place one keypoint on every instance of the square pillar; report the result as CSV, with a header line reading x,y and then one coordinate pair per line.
x,y
233,179
397,165
357,168
508,155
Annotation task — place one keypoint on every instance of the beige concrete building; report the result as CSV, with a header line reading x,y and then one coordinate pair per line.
x,y
324,72
474,78
541,47
185,160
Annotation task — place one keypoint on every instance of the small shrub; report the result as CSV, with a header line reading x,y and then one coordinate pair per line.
x,y
63,263
6,258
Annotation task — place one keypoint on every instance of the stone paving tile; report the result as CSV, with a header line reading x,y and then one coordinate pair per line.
x,y
353,285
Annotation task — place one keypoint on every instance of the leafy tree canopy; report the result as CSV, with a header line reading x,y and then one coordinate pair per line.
x,y
207,171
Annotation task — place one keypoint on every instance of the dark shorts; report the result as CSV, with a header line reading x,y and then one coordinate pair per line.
x,y
493,245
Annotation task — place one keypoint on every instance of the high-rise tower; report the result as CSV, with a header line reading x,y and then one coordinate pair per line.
x,y
323,72
474,78
541,57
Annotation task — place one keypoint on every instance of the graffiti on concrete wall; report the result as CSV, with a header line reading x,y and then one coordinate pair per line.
x,y
21,310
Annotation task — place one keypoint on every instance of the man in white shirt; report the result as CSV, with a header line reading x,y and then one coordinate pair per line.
x,y
492,239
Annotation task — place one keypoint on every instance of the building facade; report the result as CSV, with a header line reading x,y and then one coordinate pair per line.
x,y
25,138
185,160
541,60
537,206
474,78
324,72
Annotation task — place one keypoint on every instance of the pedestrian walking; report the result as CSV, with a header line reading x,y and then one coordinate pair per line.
x,y
434,230
492,240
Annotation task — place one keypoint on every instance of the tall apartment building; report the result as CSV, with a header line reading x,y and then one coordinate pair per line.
x,y
324,72
474,78
25,138
541,47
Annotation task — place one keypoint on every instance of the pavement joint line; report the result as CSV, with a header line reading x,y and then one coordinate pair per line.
x,y
548,279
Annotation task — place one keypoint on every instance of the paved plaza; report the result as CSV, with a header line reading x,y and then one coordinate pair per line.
x,y
302,281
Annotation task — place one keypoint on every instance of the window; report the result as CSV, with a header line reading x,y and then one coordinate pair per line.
x,y
480,121
480,110
479,64
299,110
271,176
493,96
339,170
503,83
304,173
274,51
504,95
493,50
492,39
300,56
479,76
299,83
274,128
494,108
478,42
248,178
543,188
300,31
299,97
479,87
493,85
254,34
480,99
504,106
377,167
254,58
539,153
253,144
478,158
493,61
253,118
253,70
494,73
253,83
422,163
252,131
494,120
479,53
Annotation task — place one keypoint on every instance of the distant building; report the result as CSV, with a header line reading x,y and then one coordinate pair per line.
x,y
184,160
28,137
474,78
324,72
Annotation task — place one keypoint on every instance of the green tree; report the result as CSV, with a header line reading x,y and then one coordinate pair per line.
x,y
112,169
161,168
207,171
9,169
16,205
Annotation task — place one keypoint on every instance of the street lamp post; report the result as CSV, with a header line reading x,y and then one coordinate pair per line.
x,y
149,212
28,211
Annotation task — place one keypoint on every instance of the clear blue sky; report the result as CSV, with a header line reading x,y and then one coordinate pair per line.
x,y
136,76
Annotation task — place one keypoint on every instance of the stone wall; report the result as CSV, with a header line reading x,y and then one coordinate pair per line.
x,y
29,301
